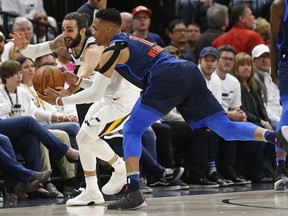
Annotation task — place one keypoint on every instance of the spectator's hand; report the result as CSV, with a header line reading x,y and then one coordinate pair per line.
x,y
19,40
237,115
70,118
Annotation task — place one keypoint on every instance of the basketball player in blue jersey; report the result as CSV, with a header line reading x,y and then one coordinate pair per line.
x,y
167,83
279,69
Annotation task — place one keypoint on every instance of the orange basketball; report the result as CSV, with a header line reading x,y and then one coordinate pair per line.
x,y
47,76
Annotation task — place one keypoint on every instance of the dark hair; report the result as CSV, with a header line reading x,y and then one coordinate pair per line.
x,y
236,11
111,15
174,23
81,20
8,69
22,59
226,48
38,59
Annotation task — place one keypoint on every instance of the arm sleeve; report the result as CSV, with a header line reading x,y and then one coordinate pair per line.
x,y
35,50
86,83
90,95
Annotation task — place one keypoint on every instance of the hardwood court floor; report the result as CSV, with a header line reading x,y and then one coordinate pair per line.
x,y
260,200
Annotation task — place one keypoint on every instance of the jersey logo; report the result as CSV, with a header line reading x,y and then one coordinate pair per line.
x,y
155,49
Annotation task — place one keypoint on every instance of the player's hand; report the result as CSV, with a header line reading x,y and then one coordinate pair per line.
x,y
70,77
50,95
19,40
61,92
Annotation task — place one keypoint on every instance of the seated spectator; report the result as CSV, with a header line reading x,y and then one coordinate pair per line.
x,y
127,22
241,36
271,97
250,155
19,99
193,34
217,21
262,27
177,32
20,24
21,129
18,178
141,23
41,33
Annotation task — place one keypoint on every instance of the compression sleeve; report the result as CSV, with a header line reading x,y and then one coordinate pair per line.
x,y
86,83
90,95
36,50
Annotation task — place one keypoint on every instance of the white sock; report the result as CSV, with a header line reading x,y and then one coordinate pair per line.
x,y
91,183
119,165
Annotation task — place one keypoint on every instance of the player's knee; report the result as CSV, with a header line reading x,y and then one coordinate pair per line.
x,y
130,128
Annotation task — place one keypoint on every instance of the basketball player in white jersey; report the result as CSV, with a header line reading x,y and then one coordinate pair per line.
x,y
105,115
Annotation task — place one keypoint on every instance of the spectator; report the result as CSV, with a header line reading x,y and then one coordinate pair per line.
x,y
91,7
66,131
18,179
250,155
193,34
271,96
21,24
241,36
177,32
217,21
41,33
2,42
262,27
141,23
127,22
231,102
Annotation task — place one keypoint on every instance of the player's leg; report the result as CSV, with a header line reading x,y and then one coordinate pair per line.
x,y
140,119
102,118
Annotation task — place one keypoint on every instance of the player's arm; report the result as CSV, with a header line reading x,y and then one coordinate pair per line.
x,y
91,58
36,50
277,12
113,55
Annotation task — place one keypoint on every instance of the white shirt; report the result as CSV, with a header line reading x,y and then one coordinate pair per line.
x,y
273,107
231,92
27,107
214,85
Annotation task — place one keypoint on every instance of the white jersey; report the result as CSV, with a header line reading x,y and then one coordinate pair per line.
x,y
231,92
80,58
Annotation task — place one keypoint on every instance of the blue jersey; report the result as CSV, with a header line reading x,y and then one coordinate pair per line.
x,y
144,56
282,40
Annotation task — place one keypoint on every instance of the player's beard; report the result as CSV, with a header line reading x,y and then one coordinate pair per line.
x,y
75,42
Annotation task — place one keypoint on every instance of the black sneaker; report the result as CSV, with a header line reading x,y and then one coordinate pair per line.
x,y
231,174
281,179
202,183
143,186
170,176
216,177
131,201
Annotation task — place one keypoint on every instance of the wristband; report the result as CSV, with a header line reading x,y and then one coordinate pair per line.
x,y
56,101
78,81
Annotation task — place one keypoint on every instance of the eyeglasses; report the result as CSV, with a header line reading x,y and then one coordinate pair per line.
x,y
179,31
227,59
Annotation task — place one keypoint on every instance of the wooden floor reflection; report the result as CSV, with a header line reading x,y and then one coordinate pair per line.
x,y
260,200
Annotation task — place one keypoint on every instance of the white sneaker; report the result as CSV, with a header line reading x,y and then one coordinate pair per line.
x,y
115,184
86,198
